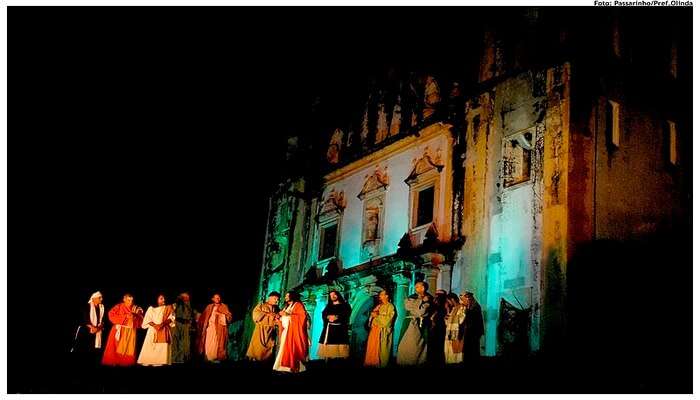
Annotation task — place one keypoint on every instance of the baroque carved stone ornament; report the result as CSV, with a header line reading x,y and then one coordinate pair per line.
x,y
430,160
335,202
333,153
379,179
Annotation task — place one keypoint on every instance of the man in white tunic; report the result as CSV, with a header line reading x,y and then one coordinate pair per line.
x,y
156,347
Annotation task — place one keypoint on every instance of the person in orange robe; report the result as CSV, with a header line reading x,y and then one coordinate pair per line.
x,y
125,317
294,336
380,339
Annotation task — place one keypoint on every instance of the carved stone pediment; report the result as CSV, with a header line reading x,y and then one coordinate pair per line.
x,y
378,180
335,202
430,160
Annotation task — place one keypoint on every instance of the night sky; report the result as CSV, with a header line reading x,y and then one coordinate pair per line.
x,y
145,145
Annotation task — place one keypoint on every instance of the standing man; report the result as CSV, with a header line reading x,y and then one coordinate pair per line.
x,y
262,343
415,330
334,342
156,346
89,335
294,336
213,330
473,330
185,324
436,344
121,344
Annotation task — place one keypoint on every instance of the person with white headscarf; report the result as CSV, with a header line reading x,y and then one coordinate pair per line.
x,y
88,341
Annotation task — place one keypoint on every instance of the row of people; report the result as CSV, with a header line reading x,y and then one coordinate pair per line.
x,y
441,329
436,330
170,330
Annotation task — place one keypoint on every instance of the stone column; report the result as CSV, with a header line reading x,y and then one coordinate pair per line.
x,y
400,294
445,278
316,304
431,275
430,269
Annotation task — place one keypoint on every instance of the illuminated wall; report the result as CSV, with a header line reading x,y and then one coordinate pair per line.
x,y
510,227
398,162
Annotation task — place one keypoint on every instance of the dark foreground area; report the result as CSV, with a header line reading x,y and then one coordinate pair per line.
x,y
492,375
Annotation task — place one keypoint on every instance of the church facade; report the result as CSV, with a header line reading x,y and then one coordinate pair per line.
x,y
487,183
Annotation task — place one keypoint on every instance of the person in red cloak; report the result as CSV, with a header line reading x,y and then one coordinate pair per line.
x,y
125,317
294,336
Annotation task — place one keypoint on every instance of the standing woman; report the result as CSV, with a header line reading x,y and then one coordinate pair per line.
x,y
453,337
379,341
159,320
294,336
334,340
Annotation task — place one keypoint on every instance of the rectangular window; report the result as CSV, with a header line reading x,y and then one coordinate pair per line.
x,y
672,142
329,236
612,124
517,155
426,200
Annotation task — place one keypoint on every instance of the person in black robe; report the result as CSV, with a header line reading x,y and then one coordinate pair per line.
x,y
473,330
89,338
436,337
334,340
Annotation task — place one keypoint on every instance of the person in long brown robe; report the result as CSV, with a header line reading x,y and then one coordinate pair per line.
x,y
213,330
262,343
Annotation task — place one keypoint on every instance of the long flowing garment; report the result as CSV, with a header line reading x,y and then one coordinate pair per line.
x,y
436,336
412,348
213,332
334,340
454,342
121,343
473,330
294,340
262,343
380,337
185,322
156,346
89,345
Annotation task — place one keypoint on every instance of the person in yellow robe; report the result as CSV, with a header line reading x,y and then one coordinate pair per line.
x,y
262,343
379,341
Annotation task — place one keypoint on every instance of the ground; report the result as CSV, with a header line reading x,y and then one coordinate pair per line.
x,y
492,375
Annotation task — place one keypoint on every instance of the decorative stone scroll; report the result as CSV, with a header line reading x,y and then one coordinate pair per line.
x,y
379,179
335,202
333,153
430,160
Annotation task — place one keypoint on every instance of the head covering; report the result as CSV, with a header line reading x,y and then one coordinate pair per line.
x,y
95,295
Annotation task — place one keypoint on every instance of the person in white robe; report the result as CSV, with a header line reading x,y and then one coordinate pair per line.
x,y
158,321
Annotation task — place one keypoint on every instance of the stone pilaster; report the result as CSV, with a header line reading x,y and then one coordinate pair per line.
x,y
317,302
430,268
444,280
400,294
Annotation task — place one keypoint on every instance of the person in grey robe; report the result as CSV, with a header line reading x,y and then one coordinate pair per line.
x,y
185,326
415,328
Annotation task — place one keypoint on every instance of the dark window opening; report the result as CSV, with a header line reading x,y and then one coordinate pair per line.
x,y
328,240
426,198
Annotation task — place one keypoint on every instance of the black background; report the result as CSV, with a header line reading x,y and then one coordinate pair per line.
x,y
145,142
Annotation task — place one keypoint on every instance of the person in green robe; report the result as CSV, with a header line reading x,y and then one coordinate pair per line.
x,y
185,325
